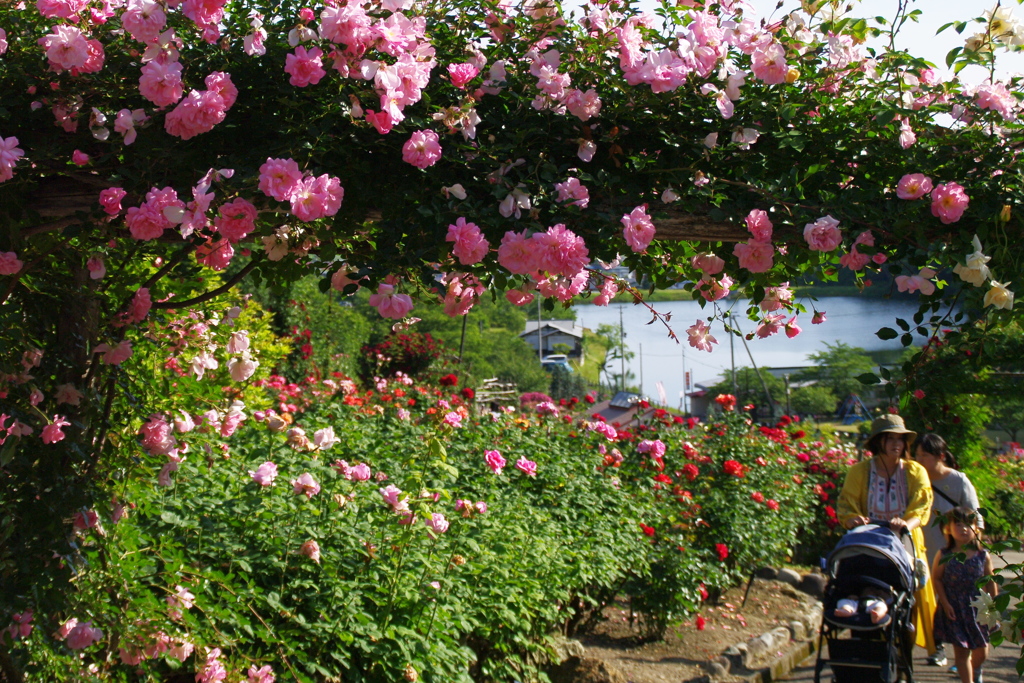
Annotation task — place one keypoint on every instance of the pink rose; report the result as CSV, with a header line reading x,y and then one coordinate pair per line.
x,y
9,263
265,474
305,485
317,197
520,254
494,461
422,149
792,329
470,244
913,186
757,257
436,523
949,201
83,635
160,82
79,158
637,229
9,155
390,304
52,432
391,494
279,178
823,234
311,549
237,219
381,121
66,48
528,467
699,336
759,225
304,67
461,74
110,200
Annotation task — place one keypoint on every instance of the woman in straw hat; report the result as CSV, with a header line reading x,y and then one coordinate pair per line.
x,y
890,486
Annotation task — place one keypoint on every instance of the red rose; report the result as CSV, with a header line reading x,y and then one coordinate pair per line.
x,y
700,623
468,393
648,530
772,504
757,496
734,468
722,550
703,592
690,471
449,380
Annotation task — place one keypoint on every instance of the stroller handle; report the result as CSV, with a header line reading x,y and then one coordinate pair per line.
x,y
885,523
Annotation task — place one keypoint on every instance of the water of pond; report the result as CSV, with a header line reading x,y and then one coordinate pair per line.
x,y
851,320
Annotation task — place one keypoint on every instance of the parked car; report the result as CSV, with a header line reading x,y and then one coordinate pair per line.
x,y
556,360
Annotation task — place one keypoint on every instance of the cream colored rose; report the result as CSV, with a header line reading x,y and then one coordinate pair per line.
x,y
974,271
999,296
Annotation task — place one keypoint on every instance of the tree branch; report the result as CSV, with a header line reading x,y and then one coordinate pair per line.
x,y
213,293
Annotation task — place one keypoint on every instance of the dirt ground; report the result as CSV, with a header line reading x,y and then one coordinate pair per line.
x,y
679,656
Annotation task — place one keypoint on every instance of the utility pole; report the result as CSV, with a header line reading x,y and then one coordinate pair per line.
x,y
540,334
786,378
732,356
641,369
622,353
682,404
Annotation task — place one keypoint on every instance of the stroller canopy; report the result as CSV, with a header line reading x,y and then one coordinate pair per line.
x,y
878,542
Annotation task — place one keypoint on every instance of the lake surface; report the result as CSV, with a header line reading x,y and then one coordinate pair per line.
x,y
851,320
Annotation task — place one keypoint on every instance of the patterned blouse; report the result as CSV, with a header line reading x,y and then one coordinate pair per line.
x,y
887,496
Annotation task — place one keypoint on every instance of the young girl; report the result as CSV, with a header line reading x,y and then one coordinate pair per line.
x,y
956,585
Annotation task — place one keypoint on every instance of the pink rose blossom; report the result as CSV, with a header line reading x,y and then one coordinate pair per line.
x,y
587,150
66,393
920,282
144,20
279,178
158,436
823,234
115,355
913,186
97,269
390,304
949,201
494,461
305,485
52,433
818,318
265,474
461,74
769,325
63,9
517,297
83,635
583,105
66,48
215,254
996,97
792,329
422,149
311,549
382,121
714,289
519,254
757,257
360,472
202,110
212,670
3,41
707,263
9,155
237,219
528,467
436,523
769,63
561,251
608,291
699,336
317,197
10,264
759,225
160,83
390,494
264,674
110,200
79,158
637,229
304,67
470,244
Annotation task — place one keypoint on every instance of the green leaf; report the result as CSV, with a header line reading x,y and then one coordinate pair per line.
x,y
868,378
887,333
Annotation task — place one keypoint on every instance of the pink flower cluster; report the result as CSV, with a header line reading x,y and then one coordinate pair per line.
x,y
470,244
9,155
311,197
360,472
558,251
461,294
389,303
638,229
148,221
202,109
823,234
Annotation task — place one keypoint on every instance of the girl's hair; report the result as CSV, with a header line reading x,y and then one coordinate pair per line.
x,y
960,514
936,445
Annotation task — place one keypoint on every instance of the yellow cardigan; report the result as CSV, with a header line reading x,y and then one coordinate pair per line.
x,y
853,502
853,499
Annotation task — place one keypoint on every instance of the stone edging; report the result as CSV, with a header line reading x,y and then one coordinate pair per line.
x,y
758,659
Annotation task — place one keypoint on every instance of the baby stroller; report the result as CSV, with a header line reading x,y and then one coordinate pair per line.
x,y
874,558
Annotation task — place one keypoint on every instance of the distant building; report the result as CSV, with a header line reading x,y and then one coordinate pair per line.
x,y
554,333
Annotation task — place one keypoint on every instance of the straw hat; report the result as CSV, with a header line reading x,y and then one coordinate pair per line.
x,y
888,424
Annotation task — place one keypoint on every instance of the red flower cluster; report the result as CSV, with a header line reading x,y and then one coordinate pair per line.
x,y
468,393
449,380
734,468
648,530
690,471
726,401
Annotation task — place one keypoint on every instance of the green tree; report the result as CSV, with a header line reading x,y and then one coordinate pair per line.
x,y
837,368
813,399
618,354
750,389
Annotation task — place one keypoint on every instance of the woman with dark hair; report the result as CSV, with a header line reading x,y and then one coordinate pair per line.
x,y
891,487
951,489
